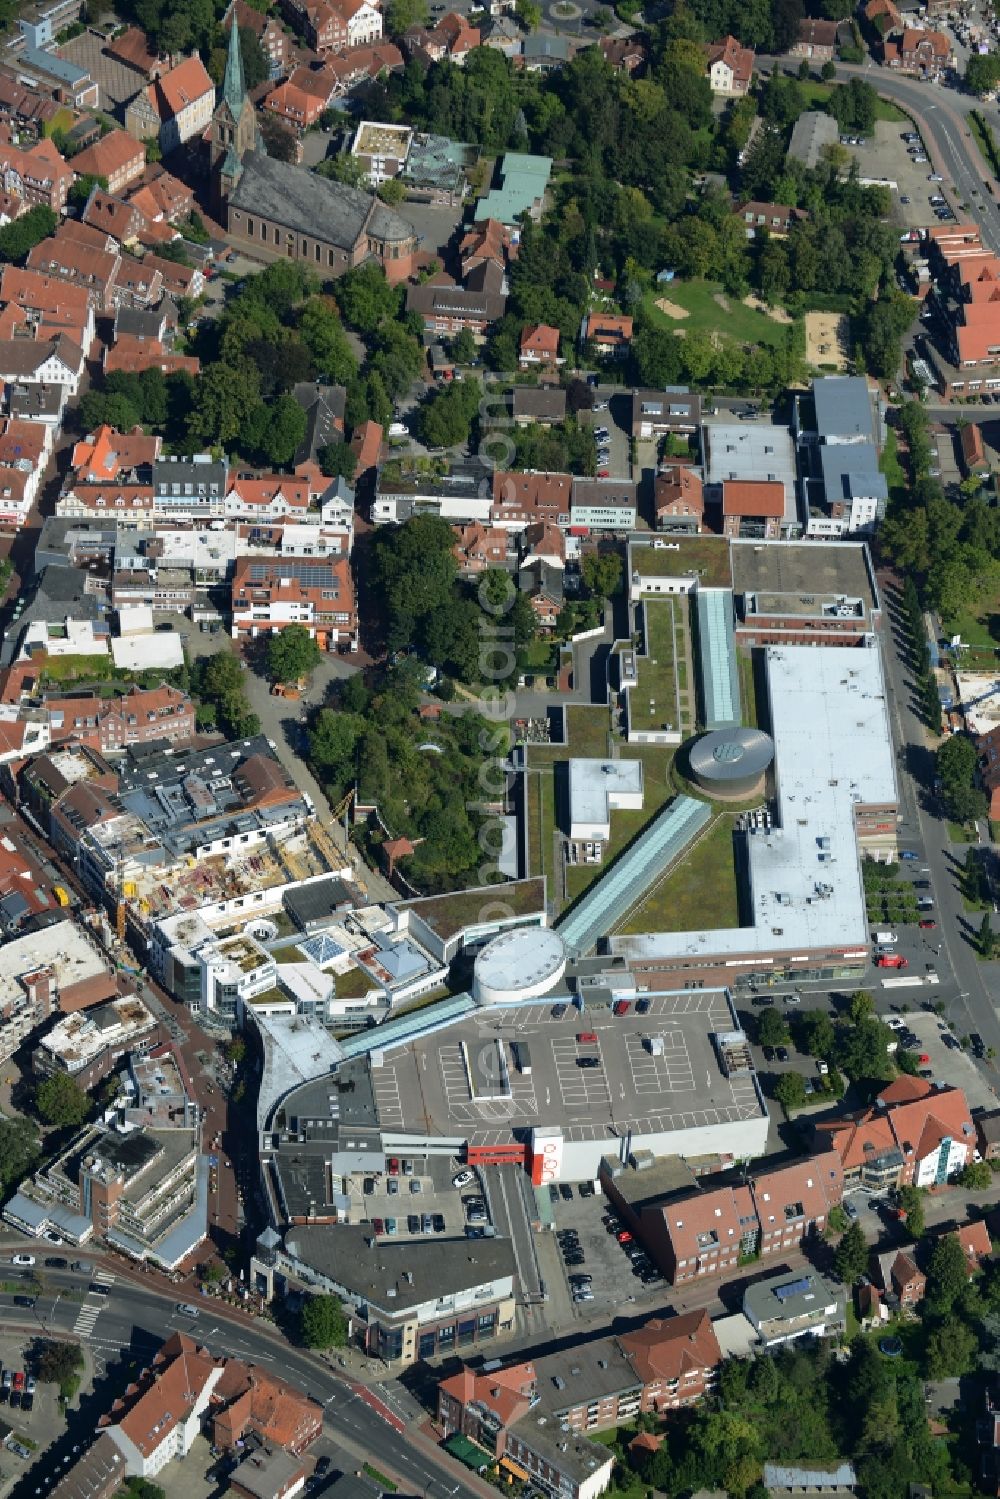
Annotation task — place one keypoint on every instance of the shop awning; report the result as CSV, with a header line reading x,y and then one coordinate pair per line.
x,y
476,1458
512,1467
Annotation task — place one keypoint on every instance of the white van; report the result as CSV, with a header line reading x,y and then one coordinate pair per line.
x,y
886,937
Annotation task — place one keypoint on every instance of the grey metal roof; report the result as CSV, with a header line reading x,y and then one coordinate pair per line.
x,y
312,205
731,754
720,684
851,469
843,406
842,1476
813,130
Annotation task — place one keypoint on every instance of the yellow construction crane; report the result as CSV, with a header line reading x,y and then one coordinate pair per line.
x,y
340,810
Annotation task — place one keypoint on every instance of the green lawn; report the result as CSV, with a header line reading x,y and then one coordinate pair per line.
x,y
818,94
699,894
705,315
892,468
975,628
653,703
587,730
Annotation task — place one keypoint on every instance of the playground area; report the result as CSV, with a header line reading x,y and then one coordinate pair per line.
x,y
827,340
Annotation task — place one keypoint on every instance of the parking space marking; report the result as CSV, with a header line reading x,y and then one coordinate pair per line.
x,y
385,1086
672,1072
579,1087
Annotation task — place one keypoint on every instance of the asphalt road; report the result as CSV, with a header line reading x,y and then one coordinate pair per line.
x,y
941,115
968,985
134,1320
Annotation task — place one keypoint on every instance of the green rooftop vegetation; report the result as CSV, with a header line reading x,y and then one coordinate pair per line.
x,y
653,703
354,984
699,893
448,914
708,556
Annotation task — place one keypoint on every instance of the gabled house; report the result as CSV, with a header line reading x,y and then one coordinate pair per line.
x,y
117,157
609,334
902,1283
976,1244
679,498
539,346
729,67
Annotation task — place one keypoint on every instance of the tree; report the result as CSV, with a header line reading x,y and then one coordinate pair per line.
x,y
291,654
862,1006
400,15
911,1203
987,940
464,347
56,1360
365,297
83,187
947,1273
445,419
323,1323
790,1090
861,1053
224,397
18,1151
828,71
772,1030
951,1350
345,167
236,1050
977,1176
529,13
337,460
602,574
61,1101
279,142
837,1219
818,1036
982,74
255,68
851,1255
24,233
323,334
283,428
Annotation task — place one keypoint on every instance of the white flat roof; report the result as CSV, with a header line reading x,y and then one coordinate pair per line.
x,y
833,750
64,948
592,782
141,652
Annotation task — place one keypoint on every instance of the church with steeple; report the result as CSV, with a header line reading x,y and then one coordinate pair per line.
x,y
273,210
234,127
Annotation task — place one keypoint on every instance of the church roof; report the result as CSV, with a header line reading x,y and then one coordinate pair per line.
x,y
233,86
300,200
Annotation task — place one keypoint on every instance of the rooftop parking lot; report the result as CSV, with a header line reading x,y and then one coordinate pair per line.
x,y
465,1079
417,1197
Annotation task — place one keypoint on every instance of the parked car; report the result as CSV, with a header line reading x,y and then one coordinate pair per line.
x,y
586,1038
621,1007
463,1178
22,1259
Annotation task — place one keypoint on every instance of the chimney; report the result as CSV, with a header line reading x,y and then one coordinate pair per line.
x,y
39,989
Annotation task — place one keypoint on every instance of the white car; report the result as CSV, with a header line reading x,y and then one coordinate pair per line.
x,y
935,177
463,1179
22,1259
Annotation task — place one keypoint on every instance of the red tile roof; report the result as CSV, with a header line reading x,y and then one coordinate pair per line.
x,y
975,1241
729,51
183,85
113,153
669,1348
753,497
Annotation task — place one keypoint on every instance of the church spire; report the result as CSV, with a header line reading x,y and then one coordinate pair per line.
x,y
234,90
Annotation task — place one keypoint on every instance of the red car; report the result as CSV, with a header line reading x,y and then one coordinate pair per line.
x,y
621,1007
586,1038
378,1225
927,926
891,960
393,1166
623,1236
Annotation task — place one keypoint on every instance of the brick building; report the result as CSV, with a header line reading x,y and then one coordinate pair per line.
x,y
270,593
